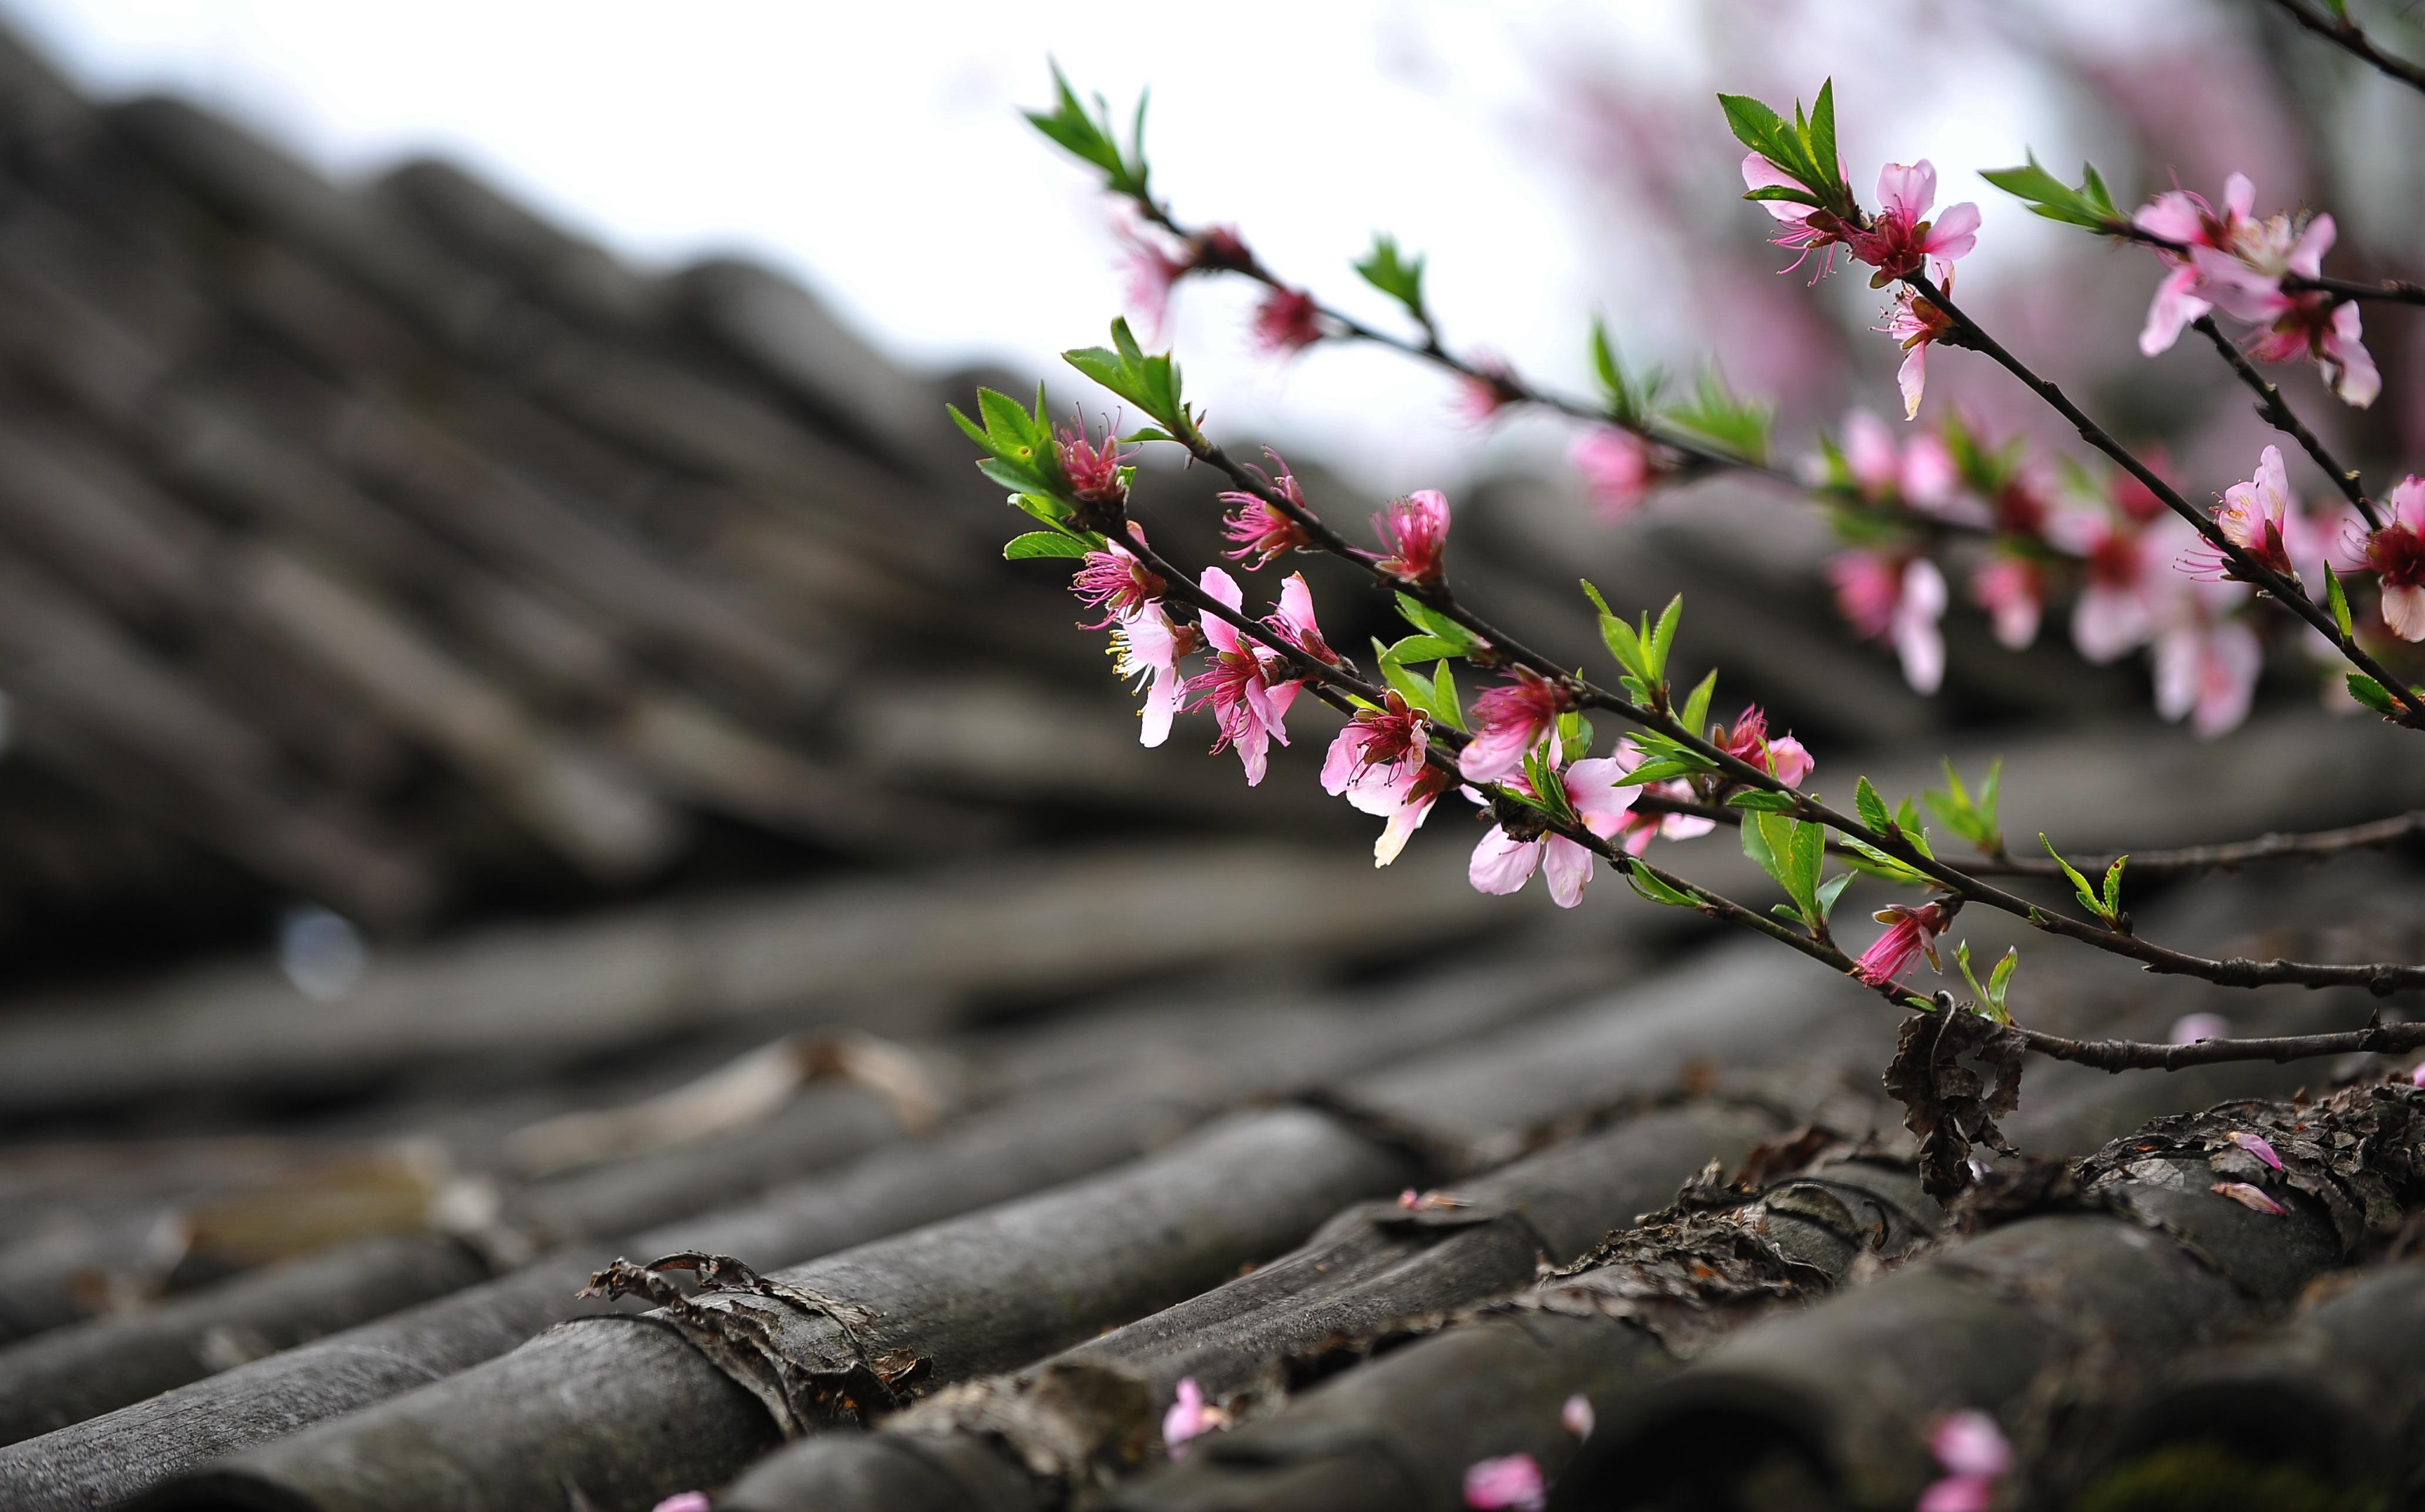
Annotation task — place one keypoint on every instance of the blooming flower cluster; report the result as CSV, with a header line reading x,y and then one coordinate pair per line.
x,y
2229,260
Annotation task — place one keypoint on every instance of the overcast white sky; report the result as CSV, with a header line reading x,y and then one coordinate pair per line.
x,y
875,150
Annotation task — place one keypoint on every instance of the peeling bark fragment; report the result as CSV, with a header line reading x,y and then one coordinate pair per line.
x,y
795,1349
1948,1105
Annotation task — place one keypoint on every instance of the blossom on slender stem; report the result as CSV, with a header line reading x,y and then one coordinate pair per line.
x,y
1511,1483
1415,528
2207,665
2253,517
1095,471
1294,622
1802,229
1972,1452
1148,644
1248,685
1116,582
2013,591
1620,469
1508,721
1784,758
1288,320
2245,281
1190,1417
1911,933
1901,238
1260,529
2180,216
1388,743
1503,863
2115,610
1898,600
1916,322
2397,554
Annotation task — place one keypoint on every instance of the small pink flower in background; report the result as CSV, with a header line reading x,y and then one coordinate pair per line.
x,y
2257,1145
1783,758
1916,323
1920,474
2235,262
2249,1198
1248,685
1900,240
1508,721
1153,271
1259,530
1640,825
2183,216
1116,582
1148,645
1415,528
1294,622
2207,665
2192,1027
2116,611
1488,389
1900,600
1971,1451
1620,469
1190,1417
2397,554
1911,933
2013,591
1578,1416
1802,229
1288,320
2254,517
1502,863
684,1502
1510,1481
1093,469
2417,1077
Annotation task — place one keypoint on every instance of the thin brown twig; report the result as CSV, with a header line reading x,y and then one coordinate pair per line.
x,y
2244,565
2389,291
2187,860
2351,38
2278,414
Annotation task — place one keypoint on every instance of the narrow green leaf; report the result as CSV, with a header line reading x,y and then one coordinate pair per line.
x,y
1421,648
1625,644
1592,593
2078,884
1829,890
1390,271
1810,843
2372,694
1655,890
1695,714
2112,910
1663,638
1822,135
1872,807
1986,805
1445,703
1762,801
2338,600
1044,544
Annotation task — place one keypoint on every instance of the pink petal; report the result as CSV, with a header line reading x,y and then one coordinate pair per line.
x,y
1566,868
2238,196
1577,1415
1501,865
2172,214
1759,173
2191,1028
684,1502
1957,1493
1593,788
1918,639
2171,311
1296,606
2249,1197
2257,1145
2403,612
2108,621
1907,190
2408,502
1912,379
2348,366
1403,822
1510,1481
1969,1443
2308,257
1954,233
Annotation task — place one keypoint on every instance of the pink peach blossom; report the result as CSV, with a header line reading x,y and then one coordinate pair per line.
x,y
1415,528
1093,469
1502,863
1916,323
1389,742
1969,1443
1508,721
1248,685
1116,582
2251,1198
1508,1482
2207,665
1294,622
1783,758
2257,1145
1620,469
1148,645
1898,600
2192,1027
1802,229
1576,1414
1900,240
684,1502
1288,320
2397,554
1190,1417
2013,591
1911,933
2115,610
1260,529
2253,517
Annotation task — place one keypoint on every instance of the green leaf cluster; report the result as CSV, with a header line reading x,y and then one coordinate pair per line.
x,y
1641,648
1394,274
1147,380
1804,147
1903,824
2090,204
1091,139
1795,853
1435,694
2106,906
1630,397
1990,997
1729,422
1021,457
1971,817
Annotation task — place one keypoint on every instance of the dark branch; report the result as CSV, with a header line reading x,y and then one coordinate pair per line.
x,y
2278,414
2346,35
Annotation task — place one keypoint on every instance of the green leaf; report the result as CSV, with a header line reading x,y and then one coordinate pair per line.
x,y
1147,380
1445,704
2374,695
1988,793
1437,625
1410,685
1914,833
1872,807
1659,771
1695,714
1755,844
2089,205
1762,801
1044,544
1758,128
1628,397
2338,600
1625,644
1809,856
2112,910
1663,637
1388,270
1656,891
1049,510
1727,422
1574,735
1423,649
1829,890
2088,898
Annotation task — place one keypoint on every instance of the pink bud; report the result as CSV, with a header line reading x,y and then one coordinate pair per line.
x,y
1509,1481
1969,1443
2257,1145
2249,1197
1577,1415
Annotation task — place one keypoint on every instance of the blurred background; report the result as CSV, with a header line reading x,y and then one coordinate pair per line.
x,y
493,617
